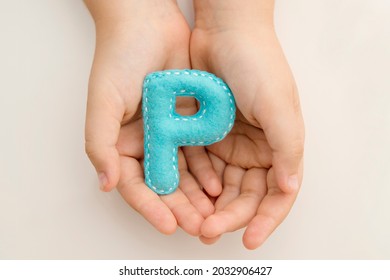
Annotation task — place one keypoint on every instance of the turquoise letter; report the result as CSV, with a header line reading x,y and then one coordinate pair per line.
x,y
165,130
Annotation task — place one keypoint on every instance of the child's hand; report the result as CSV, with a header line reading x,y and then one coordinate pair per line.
x,y
135,38
260,162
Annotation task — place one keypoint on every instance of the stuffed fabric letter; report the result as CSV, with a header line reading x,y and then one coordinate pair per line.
x,y
165,130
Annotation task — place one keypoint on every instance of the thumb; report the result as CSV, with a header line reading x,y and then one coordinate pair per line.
x,y
102,126
281,119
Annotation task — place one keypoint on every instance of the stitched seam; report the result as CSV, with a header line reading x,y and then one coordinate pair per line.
x,y
186,72
184,118
147,148
193,143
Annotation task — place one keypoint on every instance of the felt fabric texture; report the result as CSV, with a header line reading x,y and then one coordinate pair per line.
x,y
165,130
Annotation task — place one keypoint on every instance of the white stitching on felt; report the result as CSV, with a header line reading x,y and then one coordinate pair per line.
x,y
147,156
148,144
204,111
185,119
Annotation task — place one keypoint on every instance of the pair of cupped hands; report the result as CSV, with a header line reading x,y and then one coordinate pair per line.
x,y
252,177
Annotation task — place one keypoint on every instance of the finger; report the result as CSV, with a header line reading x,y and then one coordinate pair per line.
x,y
280,116
103,122
192,190
188,218
195,195
218,165
133,189
131,140
240,211
273,209
209,241
232,181
201,167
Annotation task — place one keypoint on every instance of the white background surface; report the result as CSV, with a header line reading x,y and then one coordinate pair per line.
x,y
50,206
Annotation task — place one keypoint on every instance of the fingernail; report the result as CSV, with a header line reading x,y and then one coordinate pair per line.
x,y
293,182
102,180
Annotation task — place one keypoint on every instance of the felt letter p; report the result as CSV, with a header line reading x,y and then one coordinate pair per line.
x,y
165,130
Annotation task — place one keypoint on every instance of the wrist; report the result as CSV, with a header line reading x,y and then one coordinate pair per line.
x,y
121,20
113,12
220,15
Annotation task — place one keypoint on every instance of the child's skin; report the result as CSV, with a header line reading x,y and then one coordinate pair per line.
x,y
253,176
